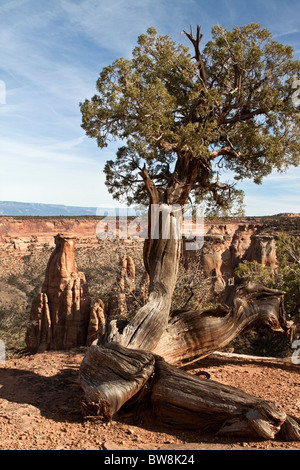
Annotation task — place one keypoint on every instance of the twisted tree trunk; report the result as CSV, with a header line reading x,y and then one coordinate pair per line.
x,y
191,335
116,379
128,368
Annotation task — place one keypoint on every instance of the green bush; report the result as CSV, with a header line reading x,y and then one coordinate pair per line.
x,y
286,278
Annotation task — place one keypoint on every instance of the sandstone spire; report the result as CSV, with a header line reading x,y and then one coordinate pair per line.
x,y
121,296
60,314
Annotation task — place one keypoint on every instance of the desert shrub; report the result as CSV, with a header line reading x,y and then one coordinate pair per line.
x,y
13,323
193,288
286,278
254,271
288,275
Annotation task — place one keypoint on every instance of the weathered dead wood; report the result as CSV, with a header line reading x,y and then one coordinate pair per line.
x,y
235,357
124,369
112,376
182,399
191,335
148,324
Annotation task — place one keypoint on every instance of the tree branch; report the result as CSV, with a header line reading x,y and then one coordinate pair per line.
x,y
150,186
224,151
183,179
198,57
244,116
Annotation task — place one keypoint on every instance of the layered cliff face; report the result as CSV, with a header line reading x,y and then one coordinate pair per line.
x,y
19,236
60,314
225,246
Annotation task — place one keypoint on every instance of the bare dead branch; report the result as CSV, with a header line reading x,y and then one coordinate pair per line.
x,y
196,43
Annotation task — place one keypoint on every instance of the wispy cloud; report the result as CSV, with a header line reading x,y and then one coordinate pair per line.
x,y
113,25
279,192
52,55
58,152
53,172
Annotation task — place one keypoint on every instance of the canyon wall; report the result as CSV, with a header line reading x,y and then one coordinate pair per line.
x,y
226,242
17,234
62,313
227,245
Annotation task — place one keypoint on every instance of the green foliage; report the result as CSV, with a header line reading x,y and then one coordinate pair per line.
x,y
253,271
261,342
285,278
288,275
229,107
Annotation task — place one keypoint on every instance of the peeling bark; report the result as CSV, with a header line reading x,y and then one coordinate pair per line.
x,y
118,374
147,326
191,335
114,377
128,367
131,366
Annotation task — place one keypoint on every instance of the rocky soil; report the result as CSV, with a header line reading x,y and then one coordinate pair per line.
x,y
40,395
40,407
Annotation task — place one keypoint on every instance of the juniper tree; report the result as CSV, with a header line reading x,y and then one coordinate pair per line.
x,y
185,117
182,119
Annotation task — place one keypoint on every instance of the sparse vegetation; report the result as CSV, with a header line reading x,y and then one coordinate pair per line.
x,y
193,288
22,280
286,278
99,263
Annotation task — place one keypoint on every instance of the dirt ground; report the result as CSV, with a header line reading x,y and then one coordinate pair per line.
x,y
40,407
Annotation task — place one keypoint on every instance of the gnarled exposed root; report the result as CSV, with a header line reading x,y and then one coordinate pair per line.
x,y
114,375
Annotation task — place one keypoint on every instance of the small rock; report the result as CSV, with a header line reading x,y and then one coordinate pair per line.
x,y
109,445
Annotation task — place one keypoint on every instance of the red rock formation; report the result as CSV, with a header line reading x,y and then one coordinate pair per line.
x,y
38,334
60,314
225,246
18,235
263,250
121,296
97,322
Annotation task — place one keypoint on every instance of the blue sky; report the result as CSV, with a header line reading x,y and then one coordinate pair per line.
x,y
51,54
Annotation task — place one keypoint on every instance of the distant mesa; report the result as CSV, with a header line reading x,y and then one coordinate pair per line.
x,y
23,209
287,214
14,209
